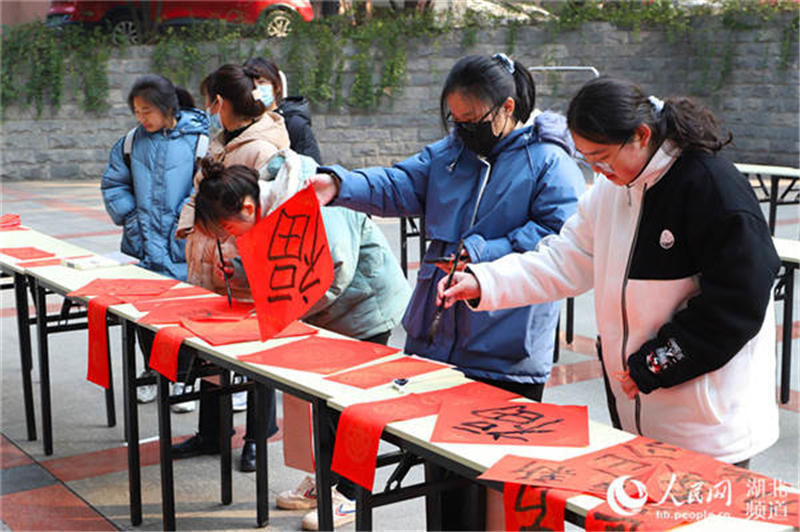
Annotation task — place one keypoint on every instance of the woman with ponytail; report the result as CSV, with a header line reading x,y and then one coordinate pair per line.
x,y
148,181
681,260
493,184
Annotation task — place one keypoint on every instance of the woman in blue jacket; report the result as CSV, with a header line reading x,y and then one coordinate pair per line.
x,y
145,190
495,185
149,179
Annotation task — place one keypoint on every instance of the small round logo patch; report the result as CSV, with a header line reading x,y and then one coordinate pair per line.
x,y
667,239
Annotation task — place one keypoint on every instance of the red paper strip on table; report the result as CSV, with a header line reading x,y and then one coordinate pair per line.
x,y
217,332
124,287
203,308
513,423
147,302
377,374
164,355
46,262
9,222
26,253
531,508
320,354
360,426
287,261
98,370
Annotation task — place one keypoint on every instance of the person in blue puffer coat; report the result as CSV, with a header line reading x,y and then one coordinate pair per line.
x,y
146,192
494,184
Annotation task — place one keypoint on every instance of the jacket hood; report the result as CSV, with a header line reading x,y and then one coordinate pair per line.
x,y
552,127
296,106
192,121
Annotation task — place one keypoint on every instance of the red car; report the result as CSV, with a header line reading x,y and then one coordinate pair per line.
x,y
124,17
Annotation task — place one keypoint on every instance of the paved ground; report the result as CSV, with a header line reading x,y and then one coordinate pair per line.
x,y
83,486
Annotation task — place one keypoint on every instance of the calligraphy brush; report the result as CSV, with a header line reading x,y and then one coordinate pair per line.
x,y
437,316
224,273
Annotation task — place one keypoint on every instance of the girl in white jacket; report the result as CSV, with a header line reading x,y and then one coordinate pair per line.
x,y
676,247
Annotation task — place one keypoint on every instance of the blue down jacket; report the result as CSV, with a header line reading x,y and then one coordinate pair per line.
x,y
147,199
524,191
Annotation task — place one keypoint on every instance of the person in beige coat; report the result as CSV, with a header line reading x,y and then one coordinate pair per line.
x,y
250,135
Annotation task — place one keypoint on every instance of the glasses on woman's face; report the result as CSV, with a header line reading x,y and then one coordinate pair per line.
x,y
472,125
607,166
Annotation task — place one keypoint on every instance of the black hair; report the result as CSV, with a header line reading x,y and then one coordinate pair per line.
x,y
489,79
269,71
236,84
608,111
160,92
222,192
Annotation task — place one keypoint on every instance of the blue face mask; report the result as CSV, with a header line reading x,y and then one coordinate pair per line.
x,y
267,96
214,123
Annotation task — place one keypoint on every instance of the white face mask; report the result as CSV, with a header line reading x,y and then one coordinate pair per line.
x,y
267,95
214,123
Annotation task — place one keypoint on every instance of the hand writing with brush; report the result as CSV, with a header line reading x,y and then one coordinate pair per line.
x,y
452,267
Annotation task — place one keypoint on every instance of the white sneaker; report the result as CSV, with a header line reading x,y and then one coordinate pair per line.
x,y
303,497
239,401
146,393
180,388
344,511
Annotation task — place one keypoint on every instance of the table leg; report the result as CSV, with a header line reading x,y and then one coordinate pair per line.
x,y
323,455
165,443
131,413
262,476
773,202
226,429
26,359
363,509
786,347
44,368
111,412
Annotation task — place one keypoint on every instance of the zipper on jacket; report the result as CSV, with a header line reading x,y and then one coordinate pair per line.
x,y
637,400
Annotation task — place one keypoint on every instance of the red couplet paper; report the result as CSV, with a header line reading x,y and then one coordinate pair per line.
x,y
9,222
319,354
382,373
531,508
46,262
26,253
205,308
513,423
287,261
361,425
124,287
298,439
217,332
164,355
98,370
147,302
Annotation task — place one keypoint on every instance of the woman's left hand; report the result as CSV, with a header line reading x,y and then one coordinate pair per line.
x,y
628,384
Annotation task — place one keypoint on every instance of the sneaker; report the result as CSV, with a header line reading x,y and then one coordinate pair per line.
x,y
240,401
146,393
303,497
344,511
180,388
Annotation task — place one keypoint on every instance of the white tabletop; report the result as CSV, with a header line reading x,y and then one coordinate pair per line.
x,y
781,171
31,238
788,249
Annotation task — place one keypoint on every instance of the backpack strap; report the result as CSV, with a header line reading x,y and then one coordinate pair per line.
x,y
127,147
200,150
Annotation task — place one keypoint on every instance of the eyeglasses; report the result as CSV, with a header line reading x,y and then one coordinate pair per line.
x,y
472,125
607,167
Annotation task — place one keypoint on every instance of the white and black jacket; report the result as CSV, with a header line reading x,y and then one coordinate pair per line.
x,y
682,260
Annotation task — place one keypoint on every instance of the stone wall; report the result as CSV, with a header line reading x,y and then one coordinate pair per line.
x,y
757,100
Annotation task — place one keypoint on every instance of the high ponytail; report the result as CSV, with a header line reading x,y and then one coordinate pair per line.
x,y
221,193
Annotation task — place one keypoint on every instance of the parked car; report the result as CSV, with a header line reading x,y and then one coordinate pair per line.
x,y
126,19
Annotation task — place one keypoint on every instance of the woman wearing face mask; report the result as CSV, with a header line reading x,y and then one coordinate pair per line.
x,y
682,264
493,184
295,110
250,135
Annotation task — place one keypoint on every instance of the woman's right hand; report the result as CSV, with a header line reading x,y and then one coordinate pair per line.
x,y
464,286
224,270
326,187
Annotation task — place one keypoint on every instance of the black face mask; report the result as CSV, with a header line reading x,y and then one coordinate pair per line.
x,y
478,136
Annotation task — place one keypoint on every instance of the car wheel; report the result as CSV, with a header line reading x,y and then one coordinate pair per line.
x,y
278,23
124,31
